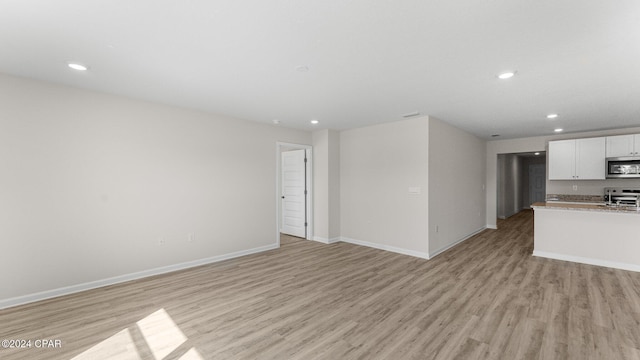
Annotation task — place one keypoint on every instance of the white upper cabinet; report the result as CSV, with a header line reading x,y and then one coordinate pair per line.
x,y
590,159
578,159
623,145
562,160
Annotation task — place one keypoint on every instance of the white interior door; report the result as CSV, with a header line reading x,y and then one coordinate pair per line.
x,y
293,193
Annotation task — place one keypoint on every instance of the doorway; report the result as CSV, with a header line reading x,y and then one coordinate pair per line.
x,y
294,189
537,183
294,193
521,181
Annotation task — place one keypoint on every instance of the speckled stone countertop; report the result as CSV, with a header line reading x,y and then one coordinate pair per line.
x,y
576,198
601,207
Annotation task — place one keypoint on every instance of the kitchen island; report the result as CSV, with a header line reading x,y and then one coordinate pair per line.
x,y
587,233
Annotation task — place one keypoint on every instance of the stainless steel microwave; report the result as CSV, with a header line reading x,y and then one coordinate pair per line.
x,y
623,167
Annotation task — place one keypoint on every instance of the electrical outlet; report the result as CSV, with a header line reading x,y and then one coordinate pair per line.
x,y
575,187
161,241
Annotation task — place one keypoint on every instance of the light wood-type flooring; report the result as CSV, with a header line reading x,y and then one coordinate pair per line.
x,y
486,298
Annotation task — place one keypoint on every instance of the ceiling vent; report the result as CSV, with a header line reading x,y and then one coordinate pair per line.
x,y
411,114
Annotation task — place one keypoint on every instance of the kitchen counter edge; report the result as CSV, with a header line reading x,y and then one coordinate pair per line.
x,y
582,207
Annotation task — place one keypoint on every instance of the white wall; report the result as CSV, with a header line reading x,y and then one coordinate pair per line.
x,y
326,177
334,184
320,144
456,185
378,164
539,143
90,182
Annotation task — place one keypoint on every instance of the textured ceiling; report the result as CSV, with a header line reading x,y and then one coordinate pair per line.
x,y
367,62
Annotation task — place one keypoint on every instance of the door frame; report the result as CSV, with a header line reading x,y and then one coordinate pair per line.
x,y
500,185
280,146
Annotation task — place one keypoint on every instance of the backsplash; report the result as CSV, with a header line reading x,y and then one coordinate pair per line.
x,y
575,198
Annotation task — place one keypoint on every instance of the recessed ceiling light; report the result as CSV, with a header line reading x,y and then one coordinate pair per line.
x,y
302,68
506,75
552,116
276,121
315,122
77,66
536,153
558,130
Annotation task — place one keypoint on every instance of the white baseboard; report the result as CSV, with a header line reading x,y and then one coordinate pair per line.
x,y
588,261
443,249
326,240
394,249
21,300
492,227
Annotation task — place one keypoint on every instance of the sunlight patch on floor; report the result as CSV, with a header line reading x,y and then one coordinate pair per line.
x,y
160,337
161,334
119,346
